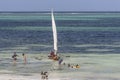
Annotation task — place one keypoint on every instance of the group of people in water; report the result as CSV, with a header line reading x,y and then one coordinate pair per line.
x,y
14,56
55,57
51,56
60,60
74,66
44,75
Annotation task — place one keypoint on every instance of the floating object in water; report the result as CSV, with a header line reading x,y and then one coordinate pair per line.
x,y
77,66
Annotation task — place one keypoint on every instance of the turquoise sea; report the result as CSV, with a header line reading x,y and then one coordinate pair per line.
x,y
78,32
91,39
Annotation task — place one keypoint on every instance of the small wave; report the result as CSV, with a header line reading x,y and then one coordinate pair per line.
x,y
96,45
100,50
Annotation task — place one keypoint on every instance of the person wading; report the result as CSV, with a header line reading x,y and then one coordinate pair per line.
x,y
14,58
24,57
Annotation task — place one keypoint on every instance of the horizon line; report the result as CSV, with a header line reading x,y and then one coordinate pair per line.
x,y
54,11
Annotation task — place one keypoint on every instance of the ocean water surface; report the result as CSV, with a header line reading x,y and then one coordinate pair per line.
x,y
77,32
92,39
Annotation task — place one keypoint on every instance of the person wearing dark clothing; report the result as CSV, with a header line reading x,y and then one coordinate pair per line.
x,y
14,58
44,75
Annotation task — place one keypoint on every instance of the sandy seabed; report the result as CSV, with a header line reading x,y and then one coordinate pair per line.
x,y
92,67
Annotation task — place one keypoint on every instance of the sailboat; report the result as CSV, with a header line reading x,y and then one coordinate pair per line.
x,y
54,33
53,55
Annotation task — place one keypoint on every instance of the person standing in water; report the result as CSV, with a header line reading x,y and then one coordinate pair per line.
x,y
24,57
44,75
14,58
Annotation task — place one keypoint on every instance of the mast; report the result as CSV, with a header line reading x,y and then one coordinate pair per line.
x,y
54,33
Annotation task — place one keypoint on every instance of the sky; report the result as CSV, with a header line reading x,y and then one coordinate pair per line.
x,y
60,5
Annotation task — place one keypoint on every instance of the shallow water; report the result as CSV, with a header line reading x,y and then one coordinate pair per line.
x,y
92,67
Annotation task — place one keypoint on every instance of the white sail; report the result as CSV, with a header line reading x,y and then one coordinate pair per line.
x,y
54,33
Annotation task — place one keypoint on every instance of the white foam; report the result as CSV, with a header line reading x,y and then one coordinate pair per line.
x,y
100,50
96,45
